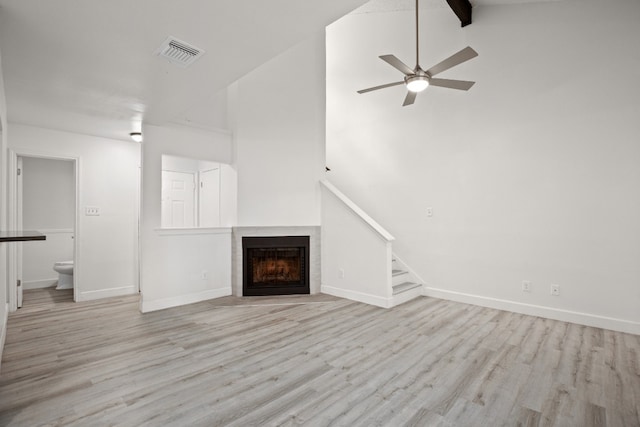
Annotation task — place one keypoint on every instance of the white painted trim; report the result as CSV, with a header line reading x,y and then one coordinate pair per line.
x,y
161,304
192,231
106,293
3,331
276,230
356,209
55,230
39,284
586,319
357,296
13,259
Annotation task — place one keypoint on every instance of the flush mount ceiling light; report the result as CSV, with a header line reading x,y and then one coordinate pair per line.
x,y
417,79
136,136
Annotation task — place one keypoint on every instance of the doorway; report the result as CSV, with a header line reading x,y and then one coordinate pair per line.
x,y
45,199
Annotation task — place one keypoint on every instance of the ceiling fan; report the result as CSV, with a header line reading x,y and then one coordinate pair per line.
x,y
417,79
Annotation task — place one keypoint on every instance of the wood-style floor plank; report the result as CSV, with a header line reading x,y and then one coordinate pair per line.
x,y
309,360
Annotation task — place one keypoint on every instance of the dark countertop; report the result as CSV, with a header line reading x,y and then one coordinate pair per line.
x,y
21,236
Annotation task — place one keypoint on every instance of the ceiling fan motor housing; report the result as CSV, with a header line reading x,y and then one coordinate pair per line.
x,y
417,82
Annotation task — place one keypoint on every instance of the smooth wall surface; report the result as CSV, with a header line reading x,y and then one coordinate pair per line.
x,y
107,258
356,259
532,174
278,121
183,266
48,188
4,308
48,205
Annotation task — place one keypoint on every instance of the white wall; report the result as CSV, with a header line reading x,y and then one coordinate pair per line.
x,y
356,253
532,174
184,266
4,307
279,132
106,261
48,189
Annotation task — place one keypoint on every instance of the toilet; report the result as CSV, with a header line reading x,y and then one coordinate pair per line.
x,y
65,274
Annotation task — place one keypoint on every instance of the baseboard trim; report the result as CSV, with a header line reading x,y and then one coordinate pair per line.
x,y
357,296
3,331
161,304
39,284
105,293
580,318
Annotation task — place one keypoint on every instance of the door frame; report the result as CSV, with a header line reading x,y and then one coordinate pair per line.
x,y
15,220
199,196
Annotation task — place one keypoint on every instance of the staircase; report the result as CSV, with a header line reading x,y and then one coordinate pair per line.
x,y
405,284
350,236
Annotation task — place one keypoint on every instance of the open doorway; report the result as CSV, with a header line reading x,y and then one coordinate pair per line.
x,y
46,201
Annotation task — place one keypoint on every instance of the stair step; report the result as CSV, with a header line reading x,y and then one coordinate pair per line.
x,y
398,272
404,287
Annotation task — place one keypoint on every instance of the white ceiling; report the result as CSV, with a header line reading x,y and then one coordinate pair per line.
x,y
375,6
89,66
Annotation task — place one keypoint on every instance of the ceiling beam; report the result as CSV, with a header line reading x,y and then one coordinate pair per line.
x,y
462,8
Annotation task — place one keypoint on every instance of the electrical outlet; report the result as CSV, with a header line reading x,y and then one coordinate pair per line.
x,y
555,290
204,275
526,286
341,273
92,211
429,212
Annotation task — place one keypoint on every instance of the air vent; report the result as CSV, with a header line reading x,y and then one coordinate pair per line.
x,y
179,52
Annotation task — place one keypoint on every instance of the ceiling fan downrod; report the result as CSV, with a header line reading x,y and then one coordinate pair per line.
x,y
417,39
416,80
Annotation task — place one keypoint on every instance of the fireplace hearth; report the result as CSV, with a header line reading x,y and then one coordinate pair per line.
x,y
275,265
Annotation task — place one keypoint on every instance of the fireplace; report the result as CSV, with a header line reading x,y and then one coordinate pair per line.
x,y
275,265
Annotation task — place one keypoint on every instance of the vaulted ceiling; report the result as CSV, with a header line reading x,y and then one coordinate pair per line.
x,y
90,66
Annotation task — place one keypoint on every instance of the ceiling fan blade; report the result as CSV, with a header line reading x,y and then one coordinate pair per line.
x,y
397,64
380,87
410,98
452,84
457,58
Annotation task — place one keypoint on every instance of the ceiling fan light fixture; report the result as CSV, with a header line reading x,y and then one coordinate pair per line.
x,y
417,83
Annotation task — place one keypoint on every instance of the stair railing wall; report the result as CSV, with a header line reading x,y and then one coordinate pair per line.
x,y
356,251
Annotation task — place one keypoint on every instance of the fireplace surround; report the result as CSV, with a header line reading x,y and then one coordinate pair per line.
x,y
239,232
275,265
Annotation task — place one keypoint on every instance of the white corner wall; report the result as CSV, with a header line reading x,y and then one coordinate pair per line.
x,y
356,255
279,133
107,258
189,265
532,174
4,305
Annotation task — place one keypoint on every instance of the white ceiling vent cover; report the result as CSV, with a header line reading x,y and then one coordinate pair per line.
x,y
179,52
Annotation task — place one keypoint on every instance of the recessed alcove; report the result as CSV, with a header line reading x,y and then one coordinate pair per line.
x,y
311,262
275,265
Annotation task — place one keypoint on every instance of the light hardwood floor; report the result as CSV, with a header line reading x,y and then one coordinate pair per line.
x,y
316,361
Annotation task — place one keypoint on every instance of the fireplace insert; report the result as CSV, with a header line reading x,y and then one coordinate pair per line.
x,y
275,265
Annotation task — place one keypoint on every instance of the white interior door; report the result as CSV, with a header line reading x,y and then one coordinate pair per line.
x,y
19,203
178,199
209,195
